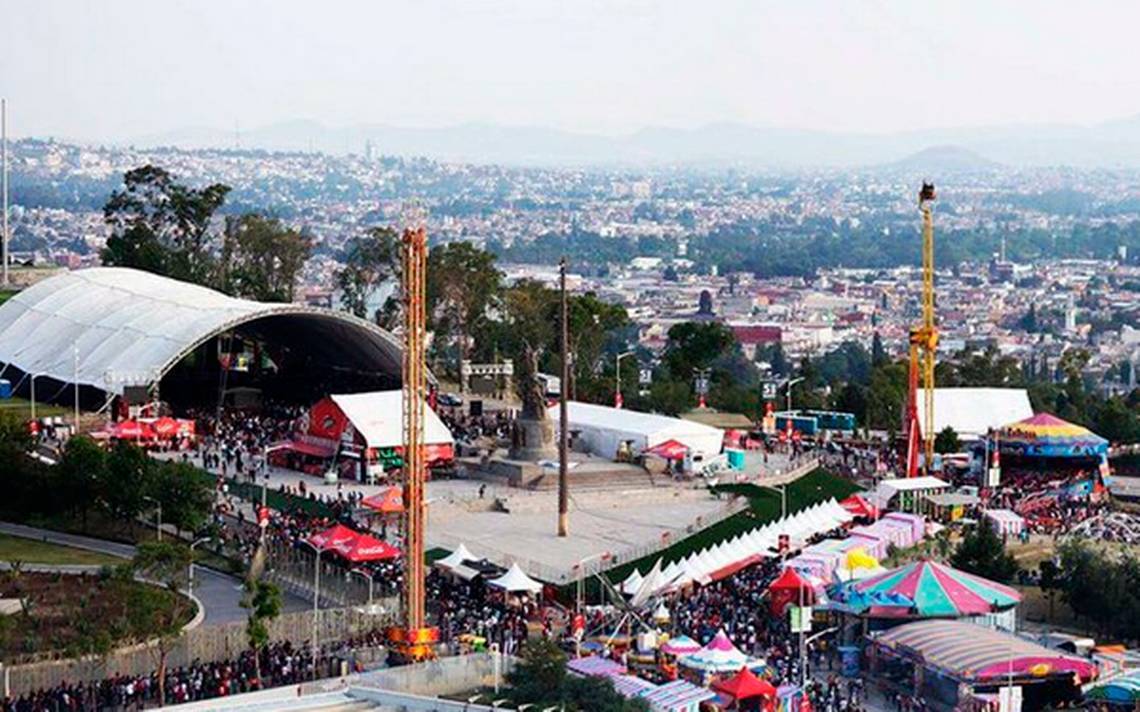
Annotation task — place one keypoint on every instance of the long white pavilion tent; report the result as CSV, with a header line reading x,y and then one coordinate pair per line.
x,y
734,554
973,412
602,429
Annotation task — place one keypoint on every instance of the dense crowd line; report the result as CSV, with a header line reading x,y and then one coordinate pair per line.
x,y
280,664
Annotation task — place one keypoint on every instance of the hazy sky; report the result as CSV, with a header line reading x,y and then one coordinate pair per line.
x,y
113,70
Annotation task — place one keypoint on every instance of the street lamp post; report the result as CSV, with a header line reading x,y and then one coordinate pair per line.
x,y
190,574
158,522
618,401
34,377
317,550
367,575
791,383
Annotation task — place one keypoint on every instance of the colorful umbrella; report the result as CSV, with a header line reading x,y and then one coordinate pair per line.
x,y
670,450
389,501
132,430
925,589
333,538
165,426
364,548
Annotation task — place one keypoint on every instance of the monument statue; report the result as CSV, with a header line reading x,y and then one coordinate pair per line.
x,y
532,433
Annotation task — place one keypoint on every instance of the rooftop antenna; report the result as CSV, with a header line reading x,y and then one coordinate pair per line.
x,y
4,187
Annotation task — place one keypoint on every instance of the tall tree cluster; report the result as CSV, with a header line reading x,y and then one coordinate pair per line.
x,y
163,226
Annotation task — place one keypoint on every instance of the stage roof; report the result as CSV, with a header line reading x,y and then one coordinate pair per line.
x,y
112,327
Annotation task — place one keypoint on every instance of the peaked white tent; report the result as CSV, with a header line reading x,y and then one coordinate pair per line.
x,y
631,583
516,581
456,558
377,417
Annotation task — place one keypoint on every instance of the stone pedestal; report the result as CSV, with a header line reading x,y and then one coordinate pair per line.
x,y
533,440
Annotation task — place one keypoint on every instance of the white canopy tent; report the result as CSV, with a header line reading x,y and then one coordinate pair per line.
x,y
455,558
603,429
972,412
516,581
378,417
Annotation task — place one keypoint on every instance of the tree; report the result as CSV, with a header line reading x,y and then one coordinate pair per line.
x,y
163,561
370,261
262,258
186,497
162,226
886,395
878,352
1028,322
946,441
127,482
462,284
79,473
692,345
263,599
1050,582
540,672
982,552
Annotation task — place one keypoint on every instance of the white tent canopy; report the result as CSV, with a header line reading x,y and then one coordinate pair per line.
x,y
603,429
378,417
131,327
631,583
972,412
456,558
516,581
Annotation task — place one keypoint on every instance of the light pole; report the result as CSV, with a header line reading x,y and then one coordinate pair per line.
x,y
791,383
76,379
158,522
190,575
563,410
618,402
701,379
34,377
317,550
367,575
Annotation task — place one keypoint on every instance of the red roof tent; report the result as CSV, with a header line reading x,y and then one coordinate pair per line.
x,y
132,430
306,448
328,421
365,547
333,537
389,501
670,450
745,685
790,588
859,507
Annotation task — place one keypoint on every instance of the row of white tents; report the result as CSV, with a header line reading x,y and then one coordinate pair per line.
x,y
737,552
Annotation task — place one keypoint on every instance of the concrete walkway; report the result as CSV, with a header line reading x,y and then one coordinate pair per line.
x,y
219,593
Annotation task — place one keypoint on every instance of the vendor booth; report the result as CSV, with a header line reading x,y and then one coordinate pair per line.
x,y
745,687
603,430
364,432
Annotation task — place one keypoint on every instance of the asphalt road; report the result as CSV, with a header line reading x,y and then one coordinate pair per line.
x,y
219,593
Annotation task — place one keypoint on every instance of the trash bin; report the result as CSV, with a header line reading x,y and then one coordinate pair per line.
x,y
5,388
735,459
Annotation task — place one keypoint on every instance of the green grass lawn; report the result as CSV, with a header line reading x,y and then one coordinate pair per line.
x,y
23,408
764,506
38,552
5,295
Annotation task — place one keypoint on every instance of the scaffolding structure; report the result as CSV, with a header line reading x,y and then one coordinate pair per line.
x,y
414,640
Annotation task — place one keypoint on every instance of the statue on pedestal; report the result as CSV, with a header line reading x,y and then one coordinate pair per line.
x,y
532,434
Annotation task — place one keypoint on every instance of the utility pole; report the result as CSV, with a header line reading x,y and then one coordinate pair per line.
x,y
4,187
563,414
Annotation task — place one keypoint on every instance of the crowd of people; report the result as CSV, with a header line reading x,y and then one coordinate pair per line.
x,y
281,663
470,607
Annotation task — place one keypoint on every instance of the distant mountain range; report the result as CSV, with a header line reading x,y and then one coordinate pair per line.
x,y
1110,144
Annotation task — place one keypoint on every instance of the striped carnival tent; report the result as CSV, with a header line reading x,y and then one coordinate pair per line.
x,y
1121,690
631,685
677,696
924,589
975,654
1046,435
